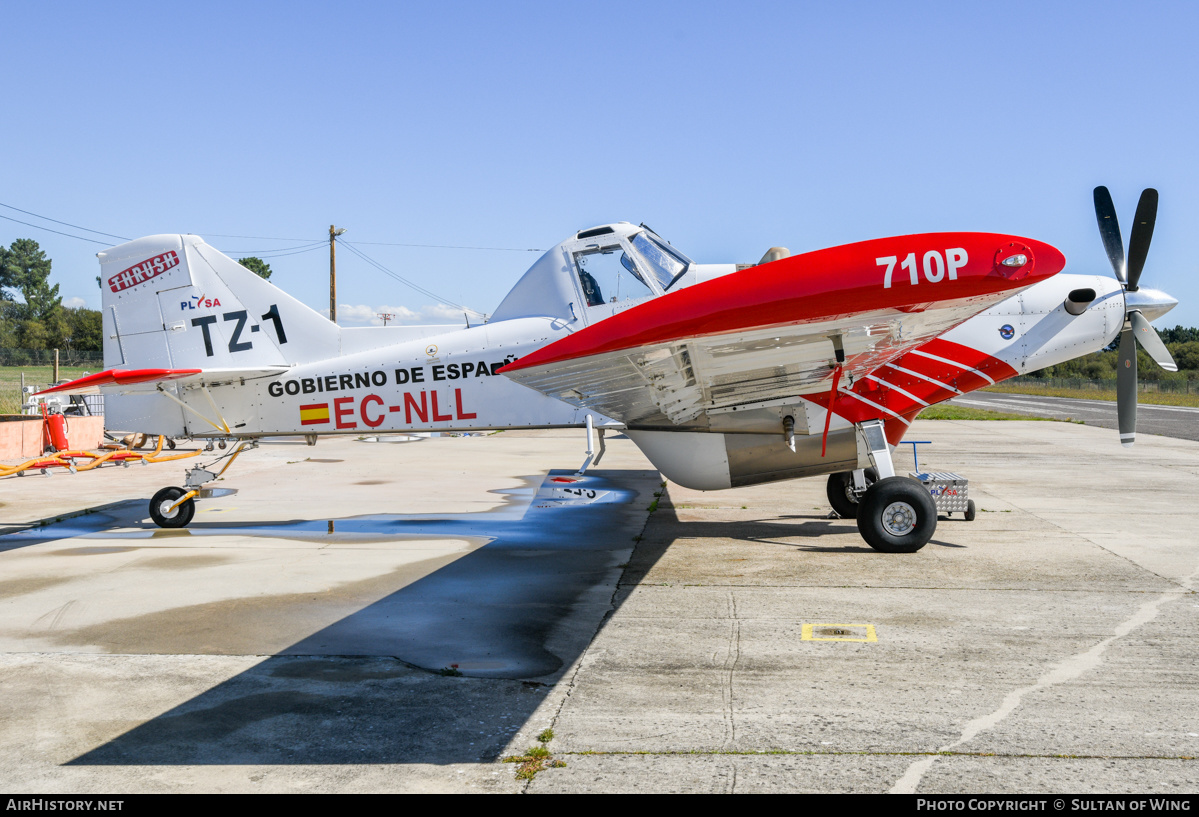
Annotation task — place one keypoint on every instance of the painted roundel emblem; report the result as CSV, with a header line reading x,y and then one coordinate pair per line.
x,y
1007,331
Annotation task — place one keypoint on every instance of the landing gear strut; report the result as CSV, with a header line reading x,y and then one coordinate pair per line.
x,y
895,514
174,507
844,494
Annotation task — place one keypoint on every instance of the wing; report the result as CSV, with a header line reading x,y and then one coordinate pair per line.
x,y
775,333
132,381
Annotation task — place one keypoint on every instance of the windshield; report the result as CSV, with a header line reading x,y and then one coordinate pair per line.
x,y
666,263
605,278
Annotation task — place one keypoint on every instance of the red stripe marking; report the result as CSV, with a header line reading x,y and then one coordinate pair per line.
x,y
926,391
881,393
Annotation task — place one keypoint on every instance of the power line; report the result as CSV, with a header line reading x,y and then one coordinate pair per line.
x,y
59,232
383,243
56,221
311,245
268,254
281,251
405,281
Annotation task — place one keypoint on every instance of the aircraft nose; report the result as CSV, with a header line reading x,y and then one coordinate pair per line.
x,y
1152,303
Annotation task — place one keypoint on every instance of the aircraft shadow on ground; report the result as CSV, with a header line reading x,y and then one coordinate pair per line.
x,y
515,614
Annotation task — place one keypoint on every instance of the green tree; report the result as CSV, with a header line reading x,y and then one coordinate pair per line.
x,y
1186,355
33,335
25,267
257,266
8,322
42,302
1179,334
82,330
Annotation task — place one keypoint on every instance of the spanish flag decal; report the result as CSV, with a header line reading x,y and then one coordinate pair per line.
x,y
314,413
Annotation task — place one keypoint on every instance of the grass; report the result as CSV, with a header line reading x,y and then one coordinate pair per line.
x,y
1150,397
536,759
10,382
948,412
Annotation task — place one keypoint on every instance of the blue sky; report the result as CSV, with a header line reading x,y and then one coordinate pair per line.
x,y
729,128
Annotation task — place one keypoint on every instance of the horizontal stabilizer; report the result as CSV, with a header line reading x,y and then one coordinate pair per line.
x,y
124,381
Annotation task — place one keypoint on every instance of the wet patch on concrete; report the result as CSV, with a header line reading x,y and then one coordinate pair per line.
x,y
11,588
253,625
126,521
92,551
180,559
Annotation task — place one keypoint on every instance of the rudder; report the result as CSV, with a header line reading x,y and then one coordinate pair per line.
x,y
173,302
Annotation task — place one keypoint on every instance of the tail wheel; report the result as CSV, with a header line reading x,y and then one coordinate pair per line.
x,y
897,515
164,516
841,495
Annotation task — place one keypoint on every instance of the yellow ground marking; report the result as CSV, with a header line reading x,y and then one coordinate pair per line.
x,y
809,629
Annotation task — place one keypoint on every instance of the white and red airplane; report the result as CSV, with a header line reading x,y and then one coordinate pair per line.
x,y
724,375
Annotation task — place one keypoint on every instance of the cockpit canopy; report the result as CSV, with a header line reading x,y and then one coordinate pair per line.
x,y
595,273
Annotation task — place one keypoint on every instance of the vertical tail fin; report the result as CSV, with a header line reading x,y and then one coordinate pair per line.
x,y
172,301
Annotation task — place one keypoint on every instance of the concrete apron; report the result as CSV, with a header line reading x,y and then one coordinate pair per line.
x,y
256,644
749,645
1045,647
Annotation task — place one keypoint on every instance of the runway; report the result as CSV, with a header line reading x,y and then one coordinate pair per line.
x,y
1181,422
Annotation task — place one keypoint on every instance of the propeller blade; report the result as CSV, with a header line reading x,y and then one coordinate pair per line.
x,y
1142,234
1126,388
1109,231
1151,342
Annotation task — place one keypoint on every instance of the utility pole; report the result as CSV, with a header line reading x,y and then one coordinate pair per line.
x,y
333,234
386,316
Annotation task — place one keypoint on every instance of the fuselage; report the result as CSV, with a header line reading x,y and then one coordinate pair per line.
x,y
328,380
449,382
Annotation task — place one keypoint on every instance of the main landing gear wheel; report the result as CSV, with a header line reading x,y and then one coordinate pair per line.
x,y
177,518
897,515
841,494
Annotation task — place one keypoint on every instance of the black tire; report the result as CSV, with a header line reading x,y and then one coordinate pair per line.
x,y
177,518
970,510
839,491
897,515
